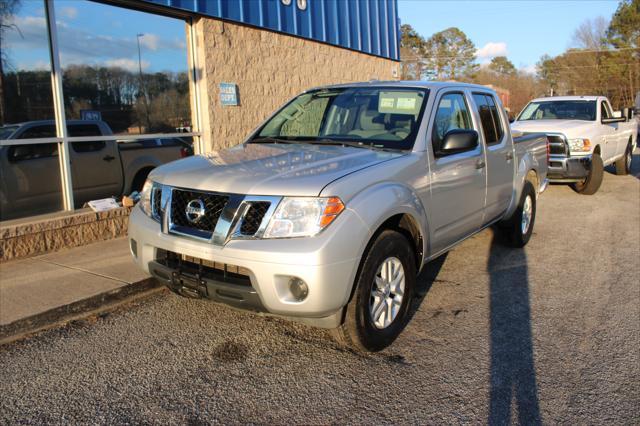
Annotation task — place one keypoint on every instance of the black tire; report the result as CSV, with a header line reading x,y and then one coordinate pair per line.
x,y
359,330
516,235
139,179
623,165
592,183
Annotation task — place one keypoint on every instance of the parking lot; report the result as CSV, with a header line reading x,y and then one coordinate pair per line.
x,y
548,334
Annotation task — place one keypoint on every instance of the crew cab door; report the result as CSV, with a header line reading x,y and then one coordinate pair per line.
x,y
95,165
458,181
499,153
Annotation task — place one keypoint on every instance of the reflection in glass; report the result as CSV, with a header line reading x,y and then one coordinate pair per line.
x,y
30,181
124,67
25,68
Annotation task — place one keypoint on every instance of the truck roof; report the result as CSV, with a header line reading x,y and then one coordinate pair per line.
x,y
568,98
407,83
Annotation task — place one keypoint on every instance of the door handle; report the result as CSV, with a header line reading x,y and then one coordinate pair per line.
x,y
108,158
480,164
509,155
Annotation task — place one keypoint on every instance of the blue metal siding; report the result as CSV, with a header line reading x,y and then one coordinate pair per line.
x,y
369,26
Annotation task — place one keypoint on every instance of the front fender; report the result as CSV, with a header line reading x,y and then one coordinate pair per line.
x,y
379,202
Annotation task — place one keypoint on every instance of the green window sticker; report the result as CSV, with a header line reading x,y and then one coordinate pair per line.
x,y
399,103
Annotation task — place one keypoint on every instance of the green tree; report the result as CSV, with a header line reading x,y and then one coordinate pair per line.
x,y
450,54
412,47
624,29
548,71
624,64
502,65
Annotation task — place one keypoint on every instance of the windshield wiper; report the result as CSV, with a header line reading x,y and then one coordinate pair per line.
x,y
354,144
271,139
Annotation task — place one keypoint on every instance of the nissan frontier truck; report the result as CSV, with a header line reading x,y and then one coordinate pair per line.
x,y
329,210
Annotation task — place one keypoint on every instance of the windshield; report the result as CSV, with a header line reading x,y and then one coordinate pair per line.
x,y
377,117
6,131
559,110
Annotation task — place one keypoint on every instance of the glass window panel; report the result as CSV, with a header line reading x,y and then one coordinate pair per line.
x,y
30,182
133,77
25,65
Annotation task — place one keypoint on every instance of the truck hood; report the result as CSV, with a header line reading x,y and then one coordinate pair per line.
x,y
570,128
269,169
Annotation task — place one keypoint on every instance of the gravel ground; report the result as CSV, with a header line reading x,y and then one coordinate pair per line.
x,y
546,334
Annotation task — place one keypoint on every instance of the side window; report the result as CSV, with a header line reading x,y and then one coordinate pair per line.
x,y
32,151
604,110
45,131
35,151
490,118
495,113
79,130
452,113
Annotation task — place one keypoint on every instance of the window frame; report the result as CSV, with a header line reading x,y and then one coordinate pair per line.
x,y
409,141
435,114
501,137
62,137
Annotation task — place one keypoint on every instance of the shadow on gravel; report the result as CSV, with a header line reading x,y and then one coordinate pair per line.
x,y
513,377
424,282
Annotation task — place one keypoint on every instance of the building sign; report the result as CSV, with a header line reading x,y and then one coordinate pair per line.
x,y
228,94
87,114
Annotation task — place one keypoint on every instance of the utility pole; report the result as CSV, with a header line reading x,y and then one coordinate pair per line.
x,y
142,87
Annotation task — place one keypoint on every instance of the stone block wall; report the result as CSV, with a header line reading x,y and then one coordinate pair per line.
x,y
82,227
269,68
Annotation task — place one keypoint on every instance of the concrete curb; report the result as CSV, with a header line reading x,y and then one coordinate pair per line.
x,y
79,309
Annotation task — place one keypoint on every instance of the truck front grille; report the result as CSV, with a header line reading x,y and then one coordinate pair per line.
x,y
205,209
557,145
253,217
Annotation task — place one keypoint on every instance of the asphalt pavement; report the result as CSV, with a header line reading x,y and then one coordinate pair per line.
x,y
550,333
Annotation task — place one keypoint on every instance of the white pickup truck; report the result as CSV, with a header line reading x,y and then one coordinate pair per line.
x,y
329,209
585,135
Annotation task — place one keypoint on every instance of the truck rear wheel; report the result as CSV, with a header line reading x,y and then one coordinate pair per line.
x,y
623,165
379,308
519,227
592,183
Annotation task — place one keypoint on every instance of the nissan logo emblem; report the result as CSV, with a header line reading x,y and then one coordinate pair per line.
x,y
195,210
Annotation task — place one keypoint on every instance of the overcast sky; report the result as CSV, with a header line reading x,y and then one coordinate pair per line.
x,y
521,30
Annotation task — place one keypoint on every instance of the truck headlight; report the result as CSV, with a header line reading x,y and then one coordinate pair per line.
x,y
302,216
579,145
145,198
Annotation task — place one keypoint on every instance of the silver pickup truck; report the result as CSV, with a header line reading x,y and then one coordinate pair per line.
x,y
329,210
31,173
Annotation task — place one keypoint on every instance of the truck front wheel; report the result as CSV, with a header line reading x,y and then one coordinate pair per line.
x,y
592,183
519,227
379,308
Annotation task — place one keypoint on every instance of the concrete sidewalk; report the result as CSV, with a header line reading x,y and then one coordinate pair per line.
x,y
39,292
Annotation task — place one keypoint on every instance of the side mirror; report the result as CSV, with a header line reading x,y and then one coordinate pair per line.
x,y
511,119
613,120
617,114
458,140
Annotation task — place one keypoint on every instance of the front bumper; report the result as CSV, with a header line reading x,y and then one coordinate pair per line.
x,y
568,169
327,263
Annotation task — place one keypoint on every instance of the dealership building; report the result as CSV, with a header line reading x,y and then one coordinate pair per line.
x,y
204,72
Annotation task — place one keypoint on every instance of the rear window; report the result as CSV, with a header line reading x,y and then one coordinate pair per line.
x,y
490,118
